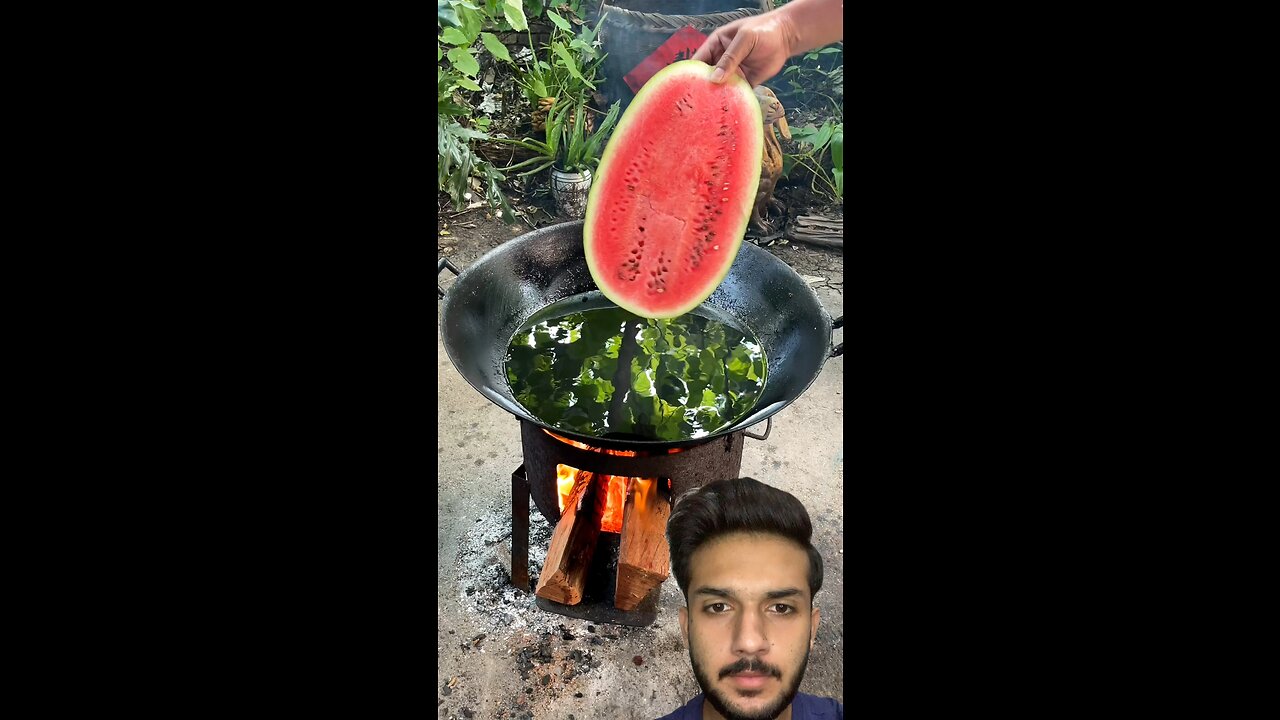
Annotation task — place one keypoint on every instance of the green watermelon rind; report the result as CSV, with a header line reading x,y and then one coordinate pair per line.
x,y
675,72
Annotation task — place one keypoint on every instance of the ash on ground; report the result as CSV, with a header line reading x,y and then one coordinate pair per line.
x,y
484,569
483,563
559,659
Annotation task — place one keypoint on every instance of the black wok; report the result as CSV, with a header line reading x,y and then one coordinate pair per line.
x,y
497,294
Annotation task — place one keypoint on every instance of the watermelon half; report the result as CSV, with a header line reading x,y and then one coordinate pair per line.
x,y
673,194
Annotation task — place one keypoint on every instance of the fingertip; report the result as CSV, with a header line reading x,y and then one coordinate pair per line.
x,y
717,76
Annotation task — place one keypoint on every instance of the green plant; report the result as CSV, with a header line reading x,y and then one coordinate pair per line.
x,y
568,146
456,164
819,140
570,64
807,80
562,78
582,149
573,8
501,15
461,23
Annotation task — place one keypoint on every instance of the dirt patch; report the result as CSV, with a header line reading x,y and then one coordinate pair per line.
x,y
558,664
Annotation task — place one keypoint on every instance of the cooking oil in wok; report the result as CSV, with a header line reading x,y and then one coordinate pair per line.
x,y
603,371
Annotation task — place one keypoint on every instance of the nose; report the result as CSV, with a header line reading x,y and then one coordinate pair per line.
x,y
749,634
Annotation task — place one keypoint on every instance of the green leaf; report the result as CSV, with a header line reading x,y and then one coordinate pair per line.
x,y
468,84
569,63
454,36
446,14
462,60
803,134
640,381
495,46
469,134
539,88
560,22
828,51
471,23
439,52
514,11
739,364
837,149
823,136
709,398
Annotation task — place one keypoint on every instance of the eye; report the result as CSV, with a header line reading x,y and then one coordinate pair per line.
x,y
782,608
716,608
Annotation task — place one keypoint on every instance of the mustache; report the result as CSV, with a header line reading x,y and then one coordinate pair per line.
x,y
755,665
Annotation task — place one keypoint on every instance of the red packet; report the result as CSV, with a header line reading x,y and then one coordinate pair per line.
x,y
680,46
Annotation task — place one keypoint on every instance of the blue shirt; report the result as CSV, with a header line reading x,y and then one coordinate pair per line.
x,y
804,707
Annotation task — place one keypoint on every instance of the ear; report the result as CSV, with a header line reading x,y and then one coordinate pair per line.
x,y
684,625
814,618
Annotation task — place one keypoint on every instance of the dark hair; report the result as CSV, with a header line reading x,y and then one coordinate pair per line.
x,y
741,505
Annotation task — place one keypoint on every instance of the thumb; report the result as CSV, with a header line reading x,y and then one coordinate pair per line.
x,y
738,50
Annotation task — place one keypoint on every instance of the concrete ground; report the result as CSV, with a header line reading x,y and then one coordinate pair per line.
x,y
502,657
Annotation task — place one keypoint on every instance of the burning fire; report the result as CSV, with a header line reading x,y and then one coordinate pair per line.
x,y
617,486
607,451
644,493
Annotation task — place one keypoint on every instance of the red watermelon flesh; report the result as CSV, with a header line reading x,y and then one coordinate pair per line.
x,y
673,193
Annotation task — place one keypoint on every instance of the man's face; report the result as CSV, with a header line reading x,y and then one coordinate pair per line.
x,y
750,624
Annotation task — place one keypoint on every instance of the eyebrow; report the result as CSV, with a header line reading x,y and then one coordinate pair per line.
x,y
721,592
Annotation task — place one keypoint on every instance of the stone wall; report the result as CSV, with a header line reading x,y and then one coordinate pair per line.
x,y
540,28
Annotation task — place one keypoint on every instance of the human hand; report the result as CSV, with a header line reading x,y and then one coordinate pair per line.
x,y
755,47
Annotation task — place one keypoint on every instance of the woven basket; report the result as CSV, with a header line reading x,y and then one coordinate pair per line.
x,y
689,7
629,37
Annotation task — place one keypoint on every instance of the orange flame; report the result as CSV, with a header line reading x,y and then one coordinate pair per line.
x,y
606,451
612,520
616,489
644,493
564,482
615,501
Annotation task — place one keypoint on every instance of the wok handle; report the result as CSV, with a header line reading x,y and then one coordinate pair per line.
x,y
767,429
441,267
839,349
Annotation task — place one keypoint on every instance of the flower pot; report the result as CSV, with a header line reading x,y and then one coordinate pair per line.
x,y
570,191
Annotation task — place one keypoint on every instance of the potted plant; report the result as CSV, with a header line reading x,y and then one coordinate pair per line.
x,y
571,178
558,83
570,152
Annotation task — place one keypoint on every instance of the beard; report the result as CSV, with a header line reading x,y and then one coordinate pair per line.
x,y
722,703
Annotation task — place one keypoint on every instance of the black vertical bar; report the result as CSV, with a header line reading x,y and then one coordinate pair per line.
x,y
520,529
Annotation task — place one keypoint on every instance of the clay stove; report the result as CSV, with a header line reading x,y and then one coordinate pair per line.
x,y
608,554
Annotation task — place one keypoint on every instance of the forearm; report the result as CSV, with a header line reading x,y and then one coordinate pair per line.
x,y
813,23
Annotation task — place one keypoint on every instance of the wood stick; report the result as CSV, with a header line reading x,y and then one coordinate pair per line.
x,y
573,543
817,230
643,558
